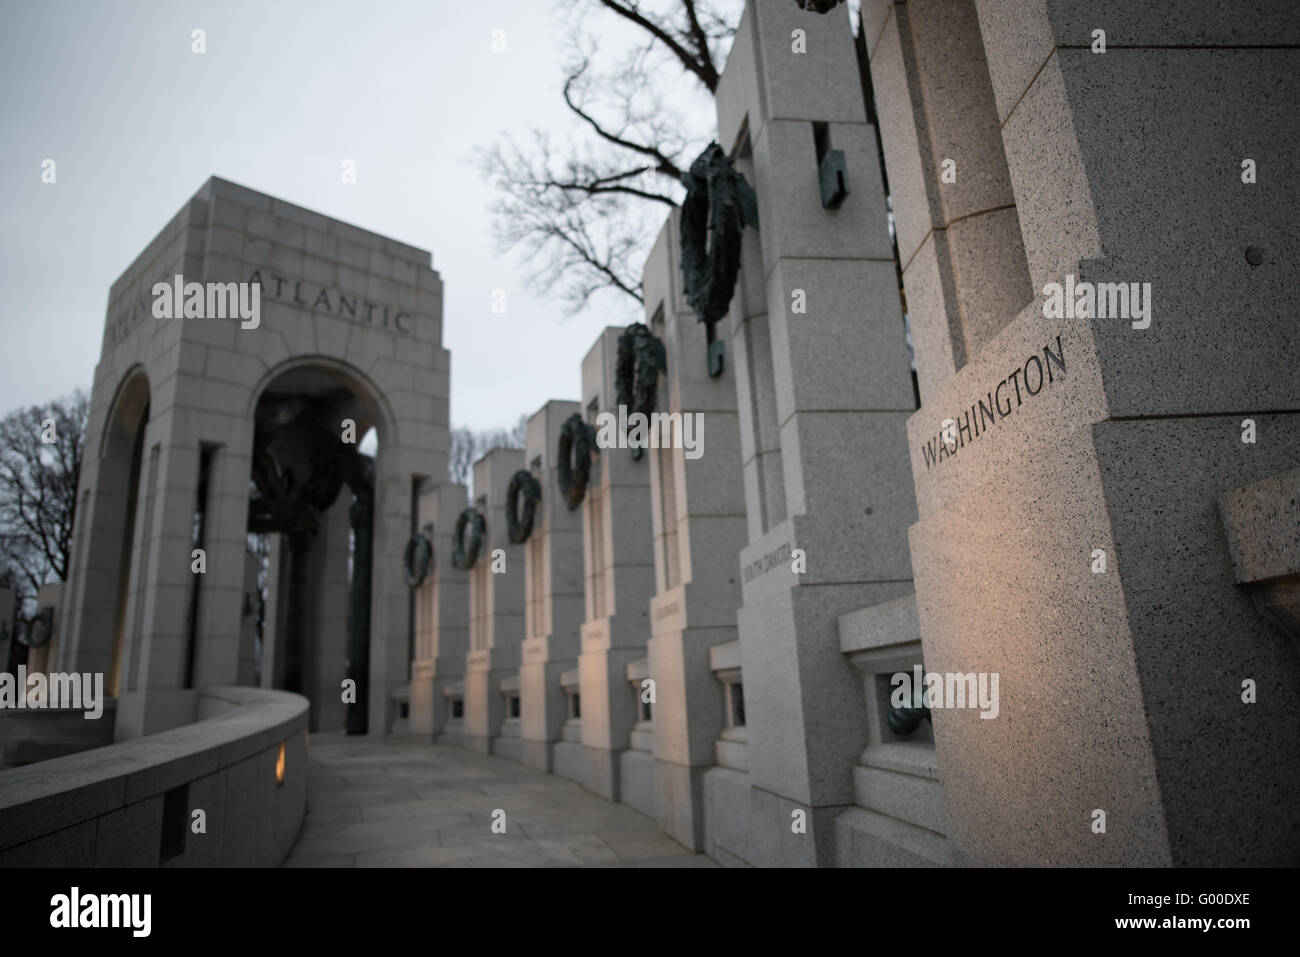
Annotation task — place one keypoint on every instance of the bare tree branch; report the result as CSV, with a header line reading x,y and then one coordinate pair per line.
x,y
691,60
664,163
581,216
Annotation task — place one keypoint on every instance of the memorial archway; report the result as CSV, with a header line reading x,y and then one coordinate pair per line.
x,y
312,490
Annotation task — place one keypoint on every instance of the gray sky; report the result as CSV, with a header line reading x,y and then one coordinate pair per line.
x,y
136,122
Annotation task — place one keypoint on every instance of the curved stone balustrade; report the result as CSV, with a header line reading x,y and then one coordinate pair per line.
x,y
243,764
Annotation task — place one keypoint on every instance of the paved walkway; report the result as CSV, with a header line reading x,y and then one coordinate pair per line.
x,y
400,803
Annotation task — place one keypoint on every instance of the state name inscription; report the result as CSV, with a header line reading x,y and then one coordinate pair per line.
x,y
333,301
981,416
773,559
294,291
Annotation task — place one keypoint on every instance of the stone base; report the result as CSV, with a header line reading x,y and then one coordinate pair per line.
x,y
485,708
568,760
538,755
610,706
507,748
542,706
747,825
600,773
420,698
866,839
453,733
679,802
727,830
636,781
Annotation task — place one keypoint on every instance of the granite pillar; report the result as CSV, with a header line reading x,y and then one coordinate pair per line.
x,y
496,610
553,594
619,561
824,391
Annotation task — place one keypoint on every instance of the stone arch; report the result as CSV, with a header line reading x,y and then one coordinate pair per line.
x,y
361,383
106,535
310,645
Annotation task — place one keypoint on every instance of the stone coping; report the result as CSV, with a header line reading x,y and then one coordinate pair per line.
x,y
638,671
892,622
510,684
725,657
455,690
1260,521
917,758
736,734
569,680
38,799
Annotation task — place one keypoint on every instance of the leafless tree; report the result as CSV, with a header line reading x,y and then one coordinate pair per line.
x,y
468,446
460,455
584,213
40,461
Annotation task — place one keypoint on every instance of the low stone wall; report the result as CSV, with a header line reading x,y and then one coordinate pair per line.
x,y
243,764
39,734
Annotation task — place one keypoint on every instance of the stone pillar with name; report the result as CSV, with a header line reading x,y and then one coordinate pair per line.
x,y
1121,425
553,593
441,613
496,605
698,514
819,348
619,562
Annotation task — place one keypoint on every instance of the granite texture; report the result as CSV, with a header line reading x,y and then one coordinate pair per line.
x,y
989,256
1186,230
934,315
727,814
1018,38
866,839
637,781
909,156
1261,522
1070,698
1200,23
1050,178
1196,636
960,115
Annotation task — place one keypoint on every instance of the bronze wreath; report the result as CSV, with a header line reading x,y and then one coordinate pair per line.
x,y
641,357
518,529
575,433
417,560
464,556
40,627
717,205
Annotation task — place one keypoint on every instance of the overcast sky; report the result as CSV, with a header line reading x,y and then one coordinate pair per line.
x,y
136,123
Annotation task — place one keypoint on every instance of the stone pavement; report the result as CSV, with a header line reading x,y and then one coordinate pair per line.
x,y
400,803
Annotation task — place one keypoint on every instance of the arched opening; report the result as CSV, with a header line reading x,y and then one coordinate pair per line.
x,y
312,492
117,497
